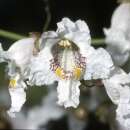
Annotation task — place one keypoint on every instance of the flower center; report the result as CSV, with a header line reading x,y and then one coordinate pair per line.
x,y
67,62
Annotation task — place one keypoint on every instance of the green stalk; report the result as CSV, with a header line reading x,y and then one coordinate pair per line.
x,y
14,36
10,35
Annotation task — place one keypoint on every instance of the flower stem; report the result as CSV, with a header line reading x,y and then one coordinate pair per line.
x,y
98,41
10,35
14,36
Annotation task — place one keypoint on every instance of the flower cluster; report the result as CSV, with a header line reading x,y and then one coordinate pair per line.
x,y
66,56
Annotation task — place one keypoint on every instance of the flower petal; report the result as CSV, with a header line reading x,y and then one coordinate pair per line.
x,y
118,89
49,39
18,98
65,26
21,57
119,58
117,86
121,16
77,32
40,72
98,64
118,35
68,93
123,115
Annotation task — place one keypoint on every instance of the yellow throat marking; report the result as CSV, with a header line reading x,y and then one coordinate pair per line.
x,y
76,73
59,72
12,83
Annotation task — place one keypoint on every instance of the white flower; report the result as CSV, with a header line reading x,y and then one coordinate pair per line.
x,y
118,35
118,89
18,58
67,57
18,95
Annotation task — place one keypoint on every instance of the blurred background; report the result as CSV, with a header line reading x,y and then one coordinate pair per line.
x,y
24,16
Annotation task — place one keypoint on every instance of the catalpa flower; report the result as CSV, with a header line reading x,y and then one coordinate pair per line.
x,y
18,57
118,35
118,89
67,56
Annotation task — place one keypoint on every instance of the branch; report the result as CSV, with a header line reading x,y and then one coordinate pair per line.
x,y
14,36
48,15
10,35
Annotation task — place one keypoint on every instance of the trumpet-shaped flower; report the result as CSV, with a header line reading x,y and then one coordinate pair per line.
x,y
67,56
18,57
118,35
118,89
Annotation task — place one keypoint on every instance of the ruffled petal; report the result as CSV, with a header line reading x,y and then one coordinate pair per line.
x,y
82,26
118,89
121,17
98,64
123,115
18,98
17,93
116,86
68,93
77,32
118,35
65,26
118,58
48,39
40,72
21,52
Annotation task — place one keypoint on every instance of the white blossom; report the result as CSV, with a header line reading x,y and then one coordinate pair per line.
x,y
18,57
118,89
67,56
118,35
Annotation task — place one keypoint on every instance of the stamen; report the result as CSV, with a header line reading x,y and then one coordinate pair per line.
x,y
65,43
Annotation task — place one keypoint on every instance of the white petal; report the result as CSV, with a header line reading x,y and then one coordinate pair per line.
x,y
121,16
49,39
82,26
12,69
65,26
116,86
40,72
98,64
68,93
118,89
77,32
118,36
21,52
18,98
123,115
118,58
